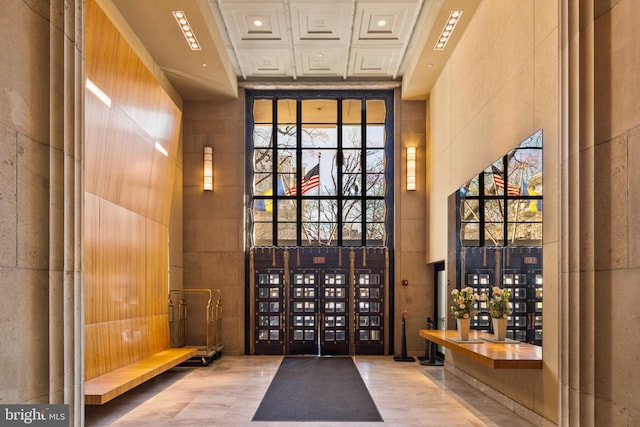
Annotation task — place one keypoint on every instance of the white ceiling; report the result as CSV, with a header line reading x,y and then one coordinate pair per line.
x,y
298,39
294,41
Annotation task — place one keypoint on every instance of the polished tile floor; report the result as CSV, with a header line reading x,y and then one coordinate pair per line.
x,y
229,390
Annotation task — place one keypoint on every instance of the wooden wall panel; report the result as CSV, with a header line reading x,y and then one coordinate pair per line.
x,y
157,267
101,41
167,132
136,87
127,203
136,171
96,125
161,190
93,259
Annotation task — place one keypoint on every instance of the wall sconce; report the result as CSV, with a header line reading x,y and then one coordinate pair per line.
x,y
411,168
208,168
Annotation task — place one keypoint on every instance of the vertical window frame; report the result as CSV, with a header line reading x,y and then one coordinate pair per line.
x,y
340,197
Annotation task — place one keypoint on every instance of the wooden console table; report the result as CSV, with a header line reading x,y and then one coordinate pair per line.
x,y
495,355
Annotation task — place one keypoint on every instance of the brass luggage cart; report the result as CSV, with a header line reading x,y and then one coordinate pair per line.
x,y
195,320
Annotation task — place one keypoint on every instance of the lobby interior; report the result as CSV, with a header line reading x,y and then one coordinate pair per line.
x,y
104,210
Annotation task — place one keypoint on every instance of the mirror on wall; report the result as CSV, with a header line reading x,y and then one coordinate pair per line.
x,y
499,237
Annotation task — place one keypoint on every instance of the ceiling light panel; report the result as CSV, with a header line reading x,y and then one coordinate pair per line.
x,y
325,62
447,30
252,24
382,23
321,21
371,62
266,62
186,29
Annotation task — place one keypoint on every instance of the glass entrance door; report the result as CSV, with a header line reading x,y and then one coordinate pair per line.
x,y
303,313
334,336
269,312
325,301
369,294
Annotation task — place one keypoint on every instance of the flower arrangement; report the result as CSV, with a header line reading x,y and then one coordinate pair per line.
x,y
464,303
499,305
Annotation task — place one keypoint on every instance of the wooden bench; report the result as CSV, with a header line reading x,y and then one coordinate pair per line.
x,y
495,355
102,389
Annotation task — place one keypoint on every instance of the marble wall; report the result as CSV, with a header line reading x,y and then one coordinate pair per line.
x,y
417,297
498,88
214,220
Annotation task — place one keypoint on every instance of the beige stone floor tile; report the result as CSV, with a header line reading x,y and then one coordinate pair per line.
x,y
228,391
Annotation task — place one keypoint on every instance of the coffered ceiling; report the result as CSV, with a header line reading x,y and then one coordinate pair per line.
x,y
295,41
341,39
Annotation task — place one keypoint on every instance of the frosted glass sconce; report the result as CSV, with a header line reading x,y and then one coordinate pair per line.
x,y
411,168
208,168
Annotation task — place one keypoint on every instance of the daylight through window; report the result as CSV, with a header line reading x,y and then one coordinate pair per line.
x,y
320,169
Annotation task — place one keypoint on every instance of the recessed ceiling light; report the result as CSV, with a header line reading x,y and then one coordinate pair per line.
x,y
187,31
382,23
447,31
257,23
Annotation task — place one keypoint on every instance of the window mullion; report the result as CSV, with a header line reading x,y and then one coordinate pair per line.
x,y
299,171
363,157
340,167
505,204
274,171
481,208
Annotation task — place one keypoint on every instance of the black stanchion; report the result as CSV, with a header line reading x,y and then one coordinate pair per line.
x,y
430,351
404,357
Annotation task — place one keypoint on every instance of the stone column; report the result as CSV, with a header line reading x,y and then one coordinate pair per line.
x,y
66,194
576,321
599,214
41,133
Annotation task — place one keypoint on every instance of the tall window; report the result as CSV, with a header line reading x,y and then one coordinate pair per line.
x,y
320,172
502,206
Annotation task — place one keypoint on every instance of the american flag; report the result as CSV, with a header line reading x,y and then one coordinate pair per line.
x,y
512,190
310,181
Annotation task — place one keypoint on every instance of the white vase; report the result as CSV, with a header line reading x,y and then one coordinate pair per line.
x,y
463,328
500,329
